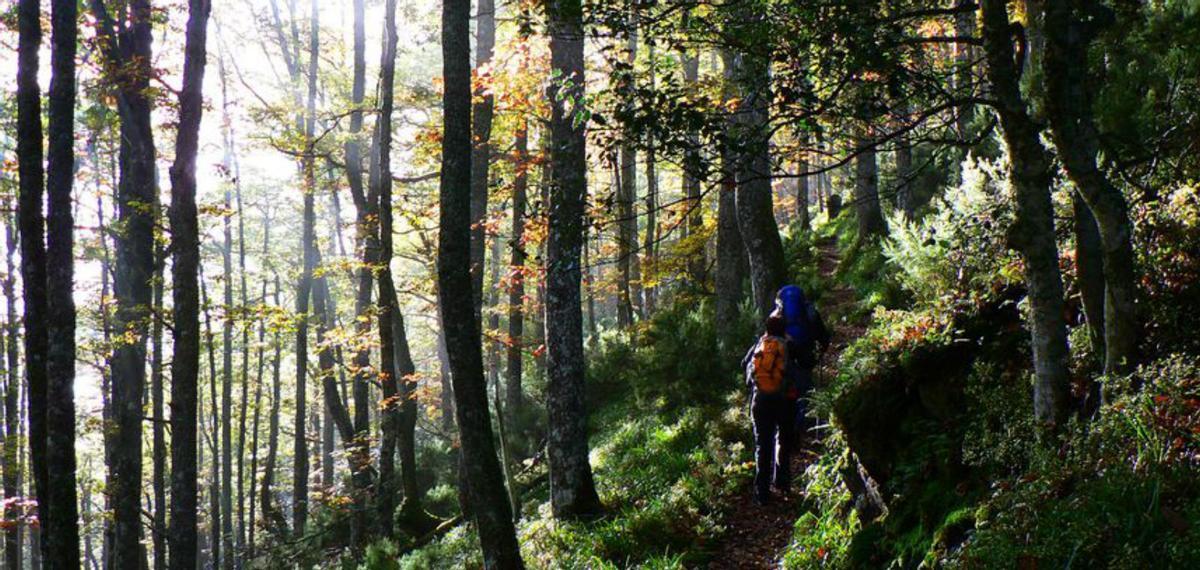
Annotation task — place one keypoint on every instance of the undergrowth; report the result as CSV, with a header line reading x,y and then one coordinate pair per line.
x,y
935,459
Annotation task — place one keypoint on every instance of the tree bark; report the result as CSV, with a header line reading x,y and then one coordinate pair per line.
x,y
514,399
185,362
12,400
866,190
258,390
481,149
629,295
692,169
61,544
300,458
489,501
128,62
1073,129
157,397
572,490
226,427
367,245
31,225
651,237
275,520
802,188
214,483
381,179
732,263
1033,232
754,197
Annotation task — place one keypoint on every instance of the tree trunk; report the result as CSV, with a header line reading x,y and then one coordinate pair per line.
x,y
732,263
258,388
513,396
185,361
866,190
159,478
802,189
1033,231
128,54
1073,129
31,225
12,400
61,546
381,178
650,240
964,27
1089,270
481,150
572,490
367,245
629,293
227,380
214,483
692,168
275,521
489,500
492,335
906,200
300,467
756,218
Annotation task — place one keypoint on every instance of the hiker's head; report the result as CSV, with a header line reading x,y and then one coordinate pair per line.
x,y
776,326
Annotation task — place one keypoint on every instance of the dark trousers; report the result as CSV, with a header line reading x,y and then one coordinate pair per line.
x,y
774,425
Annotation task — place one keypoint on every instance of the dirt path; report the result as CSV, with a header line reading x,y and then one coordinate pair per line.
x,y
757,535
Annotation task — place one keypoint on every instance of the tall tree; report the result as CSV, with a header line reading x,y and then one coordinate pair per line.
x,y
128,58
1033,231
572,490
732,262
31,224
185,361
692,168
61,539
628,264
513,397
12,398
274,519
489,501
1069,28
367,243
226,427
650,238
755,214
381,181
304,287
481,132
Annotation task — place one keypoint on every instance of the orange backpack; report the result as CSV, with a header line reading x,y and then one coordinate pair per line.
x,y
769,361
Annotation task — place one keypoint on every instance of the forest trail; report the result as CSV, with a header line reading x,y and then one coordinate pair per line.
x,y
755,535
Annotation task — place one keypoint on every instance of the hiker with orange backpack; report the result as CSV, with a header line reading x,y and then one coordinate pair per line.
x,y
779,375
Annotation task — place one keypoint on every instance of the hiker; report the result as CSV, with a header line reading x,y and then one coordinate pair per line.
x,y
779,373
807,338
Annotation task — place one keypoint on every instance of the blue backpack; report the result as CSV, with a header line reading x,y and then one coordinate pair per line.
x,y
795,311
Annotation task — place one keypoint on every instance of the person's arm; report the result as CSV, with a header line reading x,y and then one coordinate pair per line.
x,y
746,365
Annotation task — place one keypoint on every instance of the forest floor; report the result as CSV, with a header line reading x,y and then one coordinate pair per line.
x,y
756,536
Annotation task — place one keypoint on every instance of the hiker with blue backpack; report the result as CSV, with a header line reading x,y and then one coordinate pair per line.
x,y
779,372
